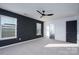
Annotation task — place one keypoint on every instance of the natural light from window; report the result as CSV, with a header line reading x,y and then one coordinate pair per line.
x,y
61,45
8,27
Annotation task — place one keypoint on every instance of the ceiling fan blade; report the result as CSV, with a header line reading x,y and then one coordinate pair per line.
x,y
39,12
49,14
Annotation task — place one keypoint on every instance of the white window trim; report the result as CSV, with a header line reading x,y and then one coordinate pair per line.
x,y
15,30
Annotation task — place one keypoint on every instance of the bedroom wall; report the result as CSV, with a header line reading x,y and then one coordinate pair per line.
x,y
60,27
26,28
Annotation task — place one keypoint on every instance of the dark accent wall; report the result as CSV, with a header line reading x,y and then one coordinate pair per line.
x,y
26,28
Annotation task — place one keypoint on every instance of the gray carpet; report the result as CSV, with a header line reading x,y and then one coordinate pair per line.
x,y
37,47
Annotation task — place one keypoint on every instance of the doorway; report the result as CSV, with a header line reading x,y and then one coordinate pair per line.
x,y
51,31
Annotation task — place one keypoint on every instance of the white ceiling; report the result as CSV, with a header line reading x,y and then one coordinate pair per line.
x,y
59,10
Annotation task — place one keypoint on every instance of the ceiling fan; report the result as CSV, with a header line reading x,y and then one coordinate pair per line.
x,y
43,13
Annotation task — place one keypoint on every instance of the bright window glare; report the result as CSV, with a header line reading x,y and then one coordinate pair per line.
x,y
62,45
9,20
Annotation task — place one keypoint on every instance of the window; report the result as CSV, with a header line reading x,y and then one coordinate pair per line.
x,y
38,29
8,27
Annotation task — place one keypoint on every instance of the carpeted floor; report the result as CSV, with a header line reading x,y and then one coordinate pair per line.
x,y
39,46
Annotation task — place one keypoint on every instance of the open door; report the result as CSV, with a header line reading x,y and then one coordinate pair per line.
x,y
71,31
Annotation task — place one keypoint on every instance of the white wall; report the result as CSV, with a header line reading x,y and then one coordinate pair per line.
x,y
60,27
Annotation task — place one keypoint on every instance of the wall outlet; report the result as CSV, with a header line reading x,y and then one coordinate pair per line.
x,y
19,38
